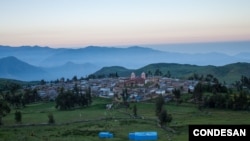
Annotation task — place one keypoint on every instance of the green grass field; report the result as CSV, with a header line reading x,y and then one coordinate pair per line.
x,y
84,124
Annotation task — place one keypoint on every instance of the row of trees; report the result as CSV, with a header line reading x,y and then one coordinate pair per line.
x,y
221,98
243,83
12,95
161,113
158,72
99,76
18,99
5,109
71,99
163,116
226,101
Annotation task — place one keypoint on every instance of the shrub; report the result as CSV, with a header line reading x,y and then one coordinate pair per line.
x,y
51,118
18,117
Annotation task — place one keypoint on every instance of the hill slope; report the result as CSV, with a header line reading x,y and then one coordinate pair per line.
x,y
70,69
12,68
228,73
33,55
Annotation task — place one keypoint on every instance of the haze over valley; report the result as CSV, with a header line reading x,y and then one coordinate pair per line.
x,y
35,62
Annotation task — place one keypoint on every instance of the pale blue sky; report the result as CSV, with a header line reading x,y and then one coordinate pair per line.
x,y
79,23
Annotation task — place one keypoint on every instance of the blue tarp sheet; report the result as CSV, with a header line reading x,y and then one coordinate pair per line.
x,y
143,136
105,135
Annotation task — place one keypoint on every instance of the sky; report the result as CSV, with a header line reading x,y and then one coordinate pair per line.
x,y
80,23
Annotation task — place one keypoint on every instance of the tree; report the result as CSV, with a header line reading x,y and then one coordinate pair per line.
x,y
168,75
42,82
125,97
198,93
76,89
158,72
209,77
113,75
159,105
12,87
30,96
164,118
101,76
64,100
12,95
18,117
241,101
74,78
135,110
88,96
16,100
116,75
62,80
177,94
51,118
195,76
4,109
69,99
149,73
245,81
91,76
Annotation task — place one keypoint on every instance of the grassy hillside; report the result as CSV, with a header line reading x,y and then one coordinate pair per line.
x,y
229,73
4,82
84,124
113,69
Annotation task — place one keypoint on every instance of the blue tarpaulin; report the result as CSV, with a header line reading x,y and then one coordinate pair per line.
x,y
143,136
105,135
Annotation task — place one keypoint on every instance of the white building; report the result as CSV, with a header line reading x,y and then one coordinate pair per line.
x,y
132,75
143,75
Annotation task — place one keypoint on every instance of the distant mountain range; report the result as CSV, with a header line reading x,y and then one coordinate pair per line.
x,y
35,63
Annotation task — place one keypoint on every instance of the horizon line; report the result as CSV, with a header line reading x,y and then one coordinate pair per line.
x,y
128,45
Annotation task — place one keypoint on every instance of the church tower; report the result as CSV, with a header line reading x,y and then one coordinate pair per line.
x,y
143,75
132,75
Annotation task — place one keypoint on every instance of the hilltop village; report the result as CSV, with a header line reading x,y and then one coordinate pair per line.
x,y
138,87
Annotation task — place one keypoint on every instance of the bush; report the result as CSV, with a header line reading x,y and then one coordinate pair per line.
x,y
51,118
18,117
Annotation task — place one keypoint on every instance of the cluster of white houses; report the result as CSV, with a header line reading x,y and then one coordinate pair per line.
x,y
138,87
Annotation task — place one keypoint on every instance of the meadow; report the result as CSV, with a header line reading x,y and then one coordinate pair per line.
x,y
84,124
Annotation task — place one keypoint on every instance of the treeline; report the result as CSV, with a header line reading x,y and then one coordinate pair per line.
x,y
243,83
72,98
156,72
17,96
221,96
14,95
100,76
239,101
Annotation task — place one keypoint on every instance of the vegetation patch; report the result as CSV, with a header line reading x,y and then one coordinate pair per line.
x,y
78,132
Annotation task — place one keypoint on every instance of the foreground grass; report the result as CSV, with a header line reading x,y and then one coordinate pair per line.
x,y
84,124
